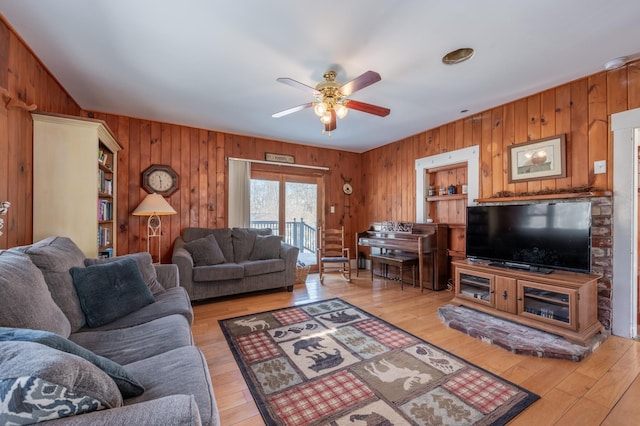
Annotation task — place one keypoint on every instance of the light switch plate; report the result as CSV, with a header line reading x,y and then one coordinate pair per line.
x,y
600,167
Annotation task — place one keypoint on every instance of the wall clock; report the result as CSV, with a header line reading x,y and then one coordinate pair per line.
x,y
347,189
160,179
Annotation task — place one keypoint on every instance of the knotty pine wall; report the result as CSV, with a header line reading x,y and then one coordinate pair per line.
x,y
581,109
198,155
200,158
383,179
27,80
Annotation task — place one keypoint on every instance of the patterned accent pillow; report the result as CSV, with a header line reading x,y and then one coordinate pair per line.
x,y
30,399
127,384
110,291
34,372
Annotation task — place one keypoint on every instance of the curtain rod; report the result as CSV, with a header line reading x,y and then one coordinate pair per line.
x,y
277,163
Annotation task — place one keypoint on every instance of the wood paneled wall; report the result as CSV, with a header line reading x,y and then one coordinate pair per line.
x,y
198,155
27,80
200,158
580,109
383,178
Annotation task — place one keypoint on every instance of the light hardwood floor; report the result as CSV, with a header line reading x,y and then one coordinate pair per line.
x,y
602,389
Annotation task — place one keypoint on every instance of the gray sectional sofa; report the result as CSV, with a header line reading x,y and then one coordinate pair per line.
x,y
100,342
225,261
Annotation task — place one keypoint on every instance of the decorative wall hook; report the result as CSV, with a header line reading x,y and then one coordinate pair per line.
x,y
13,103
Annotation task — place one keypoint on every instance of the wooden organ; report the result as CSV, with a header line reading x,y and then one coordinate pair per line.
x,y
428,241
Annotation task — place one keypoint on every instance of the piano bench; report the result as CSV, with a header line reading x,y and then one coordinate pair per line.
x,y
400,261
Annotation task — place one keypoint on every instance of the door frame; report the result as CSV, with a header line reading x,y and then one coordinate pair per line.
x,y
624,304
283,177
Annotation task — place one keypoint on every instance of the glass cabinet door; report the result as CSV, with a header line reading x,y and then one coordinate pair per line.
x,y
475,285
547,303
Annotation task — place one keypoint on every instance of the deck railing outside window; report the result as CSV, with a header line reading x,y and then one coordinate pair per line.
x,y
297,233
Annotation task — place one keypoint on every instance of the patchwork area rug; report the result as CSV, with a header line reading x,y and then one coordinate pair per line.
x,y
331,363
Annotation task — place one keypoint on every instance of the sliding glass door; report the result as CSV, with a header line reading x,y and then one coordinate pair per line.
x,y
288,204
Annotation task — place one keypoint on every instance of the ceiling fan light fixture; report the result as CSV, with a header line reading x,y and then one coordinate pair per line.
x,y
458,55
330,98
341,111
320,108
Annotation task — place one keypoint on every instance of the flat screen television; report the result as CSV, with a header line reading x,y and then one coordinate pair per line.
x,y
536,237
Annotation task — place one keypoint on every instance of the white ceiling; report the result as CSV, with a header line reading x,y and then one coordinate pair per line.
x,y
213,64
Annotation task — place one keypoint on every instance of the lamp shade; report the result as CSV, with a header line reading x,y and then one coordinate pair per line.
x,y
154,204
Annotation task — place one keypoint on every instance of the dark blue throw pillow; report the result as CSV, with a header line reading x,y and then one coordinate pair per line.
x,y
128,385
110,291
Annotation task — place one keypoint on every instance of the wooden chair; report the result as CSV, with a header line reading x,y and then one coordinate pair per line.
x,y
332,254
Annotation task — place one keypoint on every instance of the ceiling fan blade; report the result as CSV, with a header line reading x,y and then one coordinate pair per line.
x,y
293,83
366,79
332,124
292,110
365,107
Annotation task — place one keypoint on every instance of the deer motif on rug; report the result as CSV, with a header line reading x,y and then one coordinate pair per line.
x,y
253,323
393,373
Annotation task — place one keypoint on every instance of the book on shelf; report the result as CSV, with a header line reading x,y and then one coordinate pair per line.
x,y
104,236
105,183
105,210
106,253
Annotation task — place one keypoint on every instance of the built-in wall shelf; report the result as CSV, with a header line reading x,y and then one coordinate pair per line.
x,y
556,196
447,197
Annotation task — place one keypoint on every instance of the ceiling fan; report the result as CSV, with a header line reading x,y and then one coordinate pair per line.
x,y
331,98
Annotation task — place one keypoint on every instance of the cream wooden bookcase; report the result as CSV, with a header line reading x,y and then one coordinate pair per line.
x,y
74,182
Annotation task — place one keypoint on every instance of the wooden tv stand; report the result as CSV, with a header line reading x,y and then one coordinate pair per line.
x,y
562,303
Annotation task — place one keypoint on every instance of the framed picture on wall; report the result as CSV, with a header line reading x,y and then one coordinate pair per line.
x,y
539,159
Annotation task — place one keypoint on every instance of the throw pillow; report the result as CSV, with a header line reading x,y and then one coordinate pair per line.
x,y
266,247
54,256
243,240
223,237
25,300
145,264
205,251
110,291
39,383
127,384
262,231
